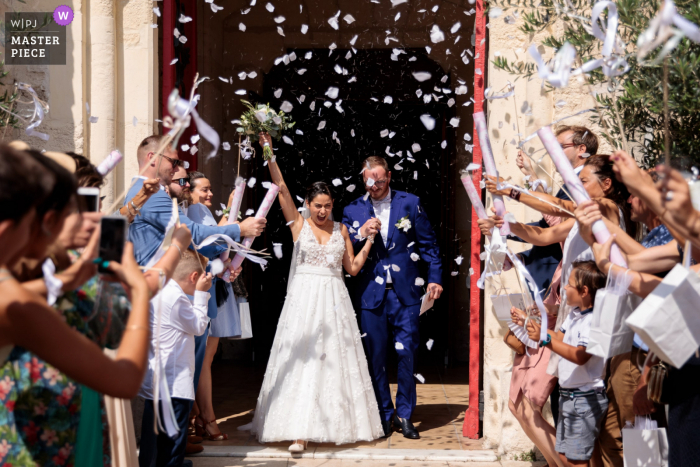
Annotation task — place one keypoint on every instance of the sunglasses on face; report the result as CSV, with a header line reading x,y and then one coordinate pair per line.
x,y
177,162
181,181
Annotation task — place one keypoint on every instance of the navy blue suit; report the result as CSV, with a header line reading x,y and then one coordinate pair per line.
x,y
394,310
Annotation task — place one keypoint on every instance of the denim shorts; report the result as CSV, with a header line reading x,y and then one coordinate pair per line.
x,y
580,419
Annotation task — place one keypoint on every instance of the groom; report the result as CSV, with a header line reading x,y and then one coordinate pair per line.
x,y
389,290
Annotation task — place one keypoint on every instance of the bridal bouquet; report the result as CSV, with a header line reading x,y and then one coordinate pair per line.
x,y
263,118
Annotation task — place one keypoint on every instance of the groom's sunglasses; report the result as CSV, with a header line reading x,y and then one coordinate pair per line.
x,y
181,181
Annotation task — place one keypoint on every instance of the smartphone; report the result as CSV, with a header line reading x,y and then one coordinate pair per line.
x,y
113,234
89,199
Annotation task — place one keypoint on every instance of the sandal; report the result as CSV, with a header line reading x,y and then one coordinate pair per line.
x,y
199,428
298,447
214,436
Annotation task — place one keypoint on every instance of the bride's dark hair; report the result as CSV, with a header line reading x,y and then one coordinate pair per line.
x,y
318,188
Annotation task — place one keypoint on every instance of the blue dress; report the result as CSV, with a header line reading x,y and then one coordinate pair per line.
x,y
225,317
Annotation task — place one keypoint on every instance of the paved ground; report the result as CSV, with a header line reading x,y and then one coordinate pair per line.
x,y
231,462
439,415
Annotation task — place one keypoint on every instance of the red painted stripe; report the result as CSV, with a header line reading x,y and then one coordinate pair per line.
x,y
471,427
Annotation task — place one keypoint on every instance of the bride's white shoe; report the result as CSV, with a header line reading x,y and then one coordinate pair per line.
x,y
298,446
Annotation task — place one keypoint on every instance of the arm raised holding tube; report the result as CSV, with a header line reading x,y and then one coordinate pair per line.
x,y
490,164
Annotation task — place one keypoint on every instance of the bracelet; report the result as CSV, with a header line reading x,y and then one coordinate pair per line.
x,y
138,210
128,210
515,194
547,342
178,248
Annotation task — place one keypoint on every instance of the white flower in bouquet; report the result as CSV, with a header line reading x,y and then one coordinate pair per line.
x,y
261,115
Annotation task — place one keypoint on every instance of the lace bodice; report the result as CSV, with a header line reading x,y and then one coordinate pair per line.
x,y
311,253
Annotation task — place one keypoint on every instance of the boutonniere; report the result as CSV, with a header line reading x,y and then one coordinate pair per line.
x,y
403,224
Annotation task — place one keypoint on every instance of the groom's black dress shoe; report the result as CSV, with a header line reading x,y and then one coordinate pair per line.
x,y
386,425
406,427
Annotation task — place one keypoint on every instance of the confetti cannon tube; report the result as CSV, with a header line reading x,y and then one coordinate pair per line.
x,y
490,165
110,162
262,213
474,196
576,188
233,217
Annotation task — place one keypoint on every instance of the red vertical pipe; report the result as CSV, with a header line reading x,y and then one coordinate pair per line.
x,y
471,427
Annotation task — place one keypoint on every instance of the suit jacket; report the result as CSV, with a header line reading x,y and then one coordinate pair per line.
x,y
420,239
148,229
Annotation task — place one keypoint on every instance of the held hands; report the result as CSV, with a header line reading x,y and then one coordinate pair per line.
x,y
492,187
371,227
252,226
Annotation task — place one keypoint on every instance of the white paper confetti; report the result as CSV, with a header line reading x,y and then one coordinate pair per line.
x,y
349,19
251,182
156,10
379,280
269,7
420,378
241,27
277,248
395,268
388,100
333,20
249,212
288,140
415,147
436,35
429,344
419,281
280,31
454,121
304,30
399,346
415,256
350,188
321,125
280,19
93,119
332,92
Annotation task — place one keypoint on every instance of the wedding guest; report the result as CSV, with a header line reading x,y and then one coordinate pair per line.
x,y
28,323
223,312
583,401
181,320
148,229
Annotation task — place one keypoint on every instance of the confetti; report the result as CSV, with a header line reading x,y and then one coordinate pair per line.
x,y
459,260
321,125
277,248
350,188
269,7
304,30
397,2
135,121
93,119
332,92
395,268
349,19
436,35
384,133
415,256
454,122
495,12
429,344
173,61
420,378
419,281
278,93
363,335
288,140
379,280
280,31
251,182
249,212
337,182
388,100
455,27
353,40
156,10
461,90
241,27
333,20
184,19
280,19
399,346
415,147
289,223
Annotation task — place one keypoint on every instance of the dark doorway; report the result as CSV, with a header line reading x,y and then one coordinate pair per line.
x,y
316,155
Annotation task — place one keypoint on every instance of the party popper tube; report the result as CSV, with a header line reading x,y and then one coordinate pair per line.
x,y
110,162
474,196
234,209
576,188
490,165
261,214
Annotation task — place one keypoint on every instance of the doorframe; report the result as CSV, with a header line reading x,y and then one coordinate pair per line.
x,y
472,427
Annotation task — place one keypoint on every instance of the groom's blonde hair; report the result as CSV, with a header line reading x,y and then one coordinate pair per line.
x,y
376,161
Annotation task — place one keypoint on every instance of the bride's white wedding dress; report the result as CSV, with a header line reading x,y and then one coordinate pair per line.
x,y
317,386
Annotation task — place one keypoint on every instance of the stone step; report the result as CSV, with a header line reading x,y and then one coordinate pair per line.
x,y
262,452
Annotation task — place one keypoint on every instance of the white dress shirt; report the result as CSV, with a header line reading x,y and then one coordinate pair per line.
x,y
576,329
181,320
382,209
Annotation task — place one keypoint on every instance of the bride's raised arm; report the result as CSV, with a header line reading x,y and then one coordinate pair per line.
x,y
351,262
289,208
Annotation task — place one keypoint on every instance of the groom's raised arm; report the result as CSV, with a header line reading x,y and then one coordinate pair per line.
x,y
427,245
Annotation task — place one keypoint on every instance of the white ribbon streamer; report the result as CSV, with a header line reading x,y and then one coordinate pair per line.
x,y
38,113
181,108
661,31
490,94
160,382
558,76
54,285
237,247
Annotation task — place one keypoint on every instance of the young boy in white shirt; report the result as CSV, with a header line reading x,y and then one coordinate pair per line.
x,y
582,401
181,320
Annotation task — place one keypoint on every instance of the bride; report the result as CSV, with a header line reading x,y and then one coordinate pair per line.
x,y
317,386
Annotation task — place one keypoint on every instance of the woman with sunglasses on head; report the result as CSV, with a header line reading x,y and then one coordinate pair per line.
x,y
223,311
317,385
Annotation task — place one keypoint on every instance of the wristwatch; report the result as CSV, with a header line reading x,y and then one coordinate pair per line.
x,y
548,341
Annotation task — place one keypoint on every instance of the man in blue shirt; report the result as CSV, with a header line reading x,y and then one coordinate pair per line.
x,y
148,229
